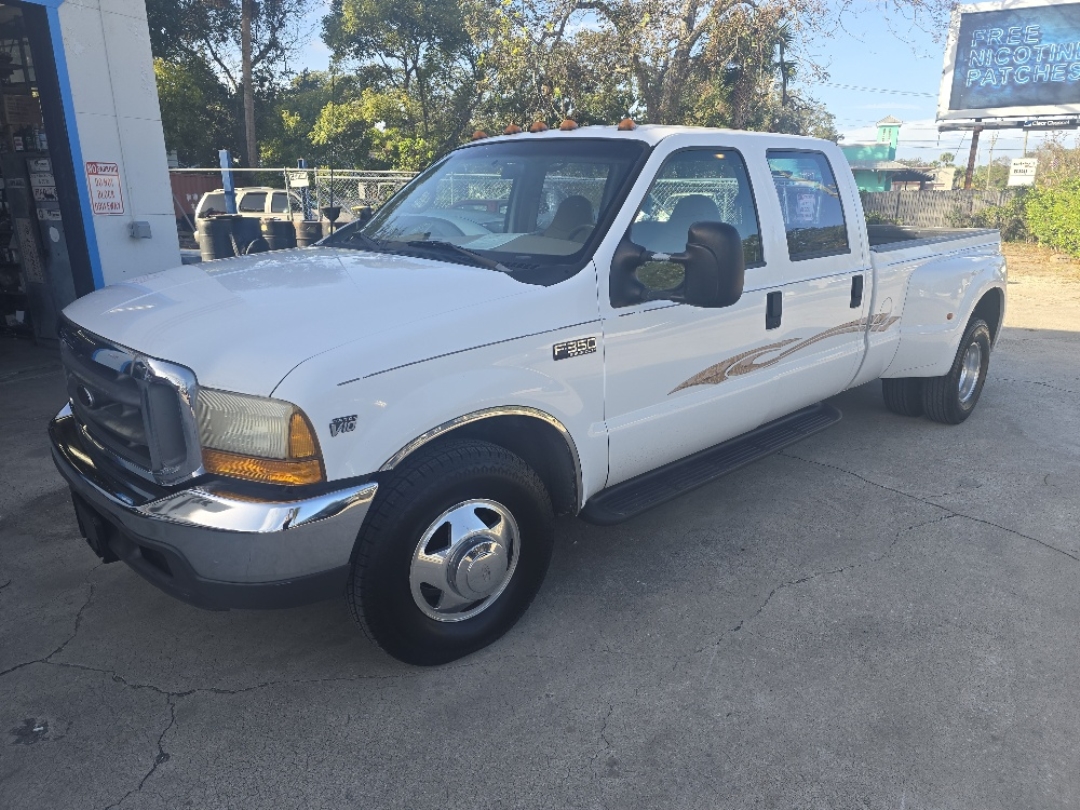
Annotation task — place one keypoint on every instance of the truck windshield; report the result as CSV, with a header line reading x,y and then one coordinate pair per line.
x,y
524,203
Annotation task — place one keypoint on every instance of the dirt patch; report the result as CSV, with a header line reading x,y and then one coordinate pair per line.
x,y
1044,288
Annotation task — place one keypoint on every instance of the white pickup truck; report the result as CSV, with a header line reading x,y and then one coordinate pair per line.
x,y
587,322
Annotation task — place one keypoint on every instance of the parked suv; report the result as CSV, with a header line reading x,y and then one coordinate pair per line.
x,y
251,201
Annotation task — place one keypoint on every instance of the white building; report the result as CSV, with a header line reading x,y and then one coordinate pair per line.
x,y
86,194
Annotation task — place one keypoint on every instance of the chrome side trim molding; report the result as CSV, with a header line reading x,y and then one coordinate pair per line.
x,y
489,413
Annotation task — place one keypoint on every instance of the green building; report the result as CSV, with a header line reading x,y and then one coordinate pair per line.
x,y
874,164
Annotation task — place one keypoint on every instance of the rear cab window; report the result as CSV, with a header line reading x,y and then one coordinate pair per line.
x,y
810,203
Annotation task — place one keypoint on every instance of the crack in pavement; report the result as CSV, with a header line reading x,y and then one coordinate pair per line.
x,y
928,502
811,577
161,758
1037,382
78,623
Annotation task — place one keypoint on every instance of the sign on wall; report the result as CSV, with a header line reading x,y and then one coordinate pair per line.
x,y
1012,58
1022,171
106,198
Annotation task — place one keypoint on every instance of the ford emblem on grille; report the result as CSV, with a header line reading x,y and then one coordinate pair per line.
x,y
86,397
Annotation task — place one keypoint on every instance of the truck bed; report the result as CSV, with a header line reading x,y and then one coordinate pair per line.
x,y
884,238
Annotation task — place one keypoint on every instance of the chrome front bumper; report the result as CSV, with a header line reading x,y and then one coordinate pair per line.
x,y
209,546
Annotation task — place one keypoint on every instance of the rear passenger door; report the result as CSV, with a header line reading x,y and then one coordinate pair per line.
x,y
819,289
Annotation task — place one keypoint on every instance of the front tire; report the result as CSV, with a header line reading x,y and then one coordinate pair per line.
x,y
452,553
950,399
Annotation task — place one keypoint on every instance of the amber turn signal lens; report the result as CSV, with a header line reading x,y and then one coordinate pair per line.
x,y
263,470
301,438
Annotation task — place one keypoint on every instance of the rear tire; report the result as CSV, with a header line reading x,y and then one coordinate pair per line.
x,y
452,553
904,396
950,399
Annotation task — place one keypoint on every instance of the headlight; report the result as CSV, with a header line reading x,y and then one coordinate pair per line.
x,y
257,439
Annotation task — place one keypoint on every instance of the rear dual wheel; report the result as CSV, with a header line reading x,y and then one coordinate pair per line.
x,y
951,398
452,553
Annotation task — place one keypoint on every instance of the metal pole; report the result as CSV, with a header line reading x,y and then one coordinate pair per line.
x,y
972,155
1025,142
990,165
227,180
305,191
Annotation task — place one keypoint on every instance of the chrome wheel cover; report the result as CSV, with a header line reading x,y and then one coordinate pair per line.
x,y
464,560
970,369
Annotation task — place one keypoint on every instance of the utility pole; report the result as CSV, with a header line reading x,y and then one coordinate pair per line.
x,y
246,12
990,165
972,155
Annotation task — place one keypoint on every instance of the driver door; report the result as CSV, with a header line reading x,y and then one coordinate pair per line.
x,y
682,378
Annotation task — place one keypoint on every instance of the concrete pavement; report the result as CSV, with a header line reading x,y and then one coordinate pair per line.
x,y
886,615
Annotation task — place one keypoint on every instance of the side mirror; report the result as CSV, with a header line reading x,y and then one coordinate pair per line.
x,y
713,262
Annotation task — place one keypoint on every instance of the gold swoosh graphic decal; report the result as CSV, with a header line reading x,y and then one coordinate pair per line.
x,y
749,361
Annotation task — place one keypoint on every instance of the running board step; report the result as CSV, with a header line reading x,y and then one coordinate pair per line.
x,y
631,498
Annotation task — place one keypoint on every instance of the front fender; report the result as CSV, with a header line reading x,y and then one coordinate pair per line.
x,y
397,407
941,297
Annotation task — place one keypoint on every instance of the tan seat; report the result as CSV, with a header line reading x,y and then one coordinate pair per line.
x,y
573,213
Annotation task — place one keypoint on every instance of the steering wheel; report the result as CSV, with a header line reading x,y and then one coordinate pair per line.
x,y
585,230
436,226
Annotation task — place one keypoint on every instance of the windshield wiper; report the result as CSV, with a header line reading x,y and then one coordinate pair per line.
x,y
363,239
445,247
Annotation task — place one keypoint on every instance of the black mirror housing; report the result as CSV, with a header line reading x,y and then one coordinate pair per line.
x,y
714,263
715,267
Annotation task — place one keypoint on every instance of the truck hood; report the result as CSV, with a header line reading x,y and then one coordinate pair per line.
x,y
242,324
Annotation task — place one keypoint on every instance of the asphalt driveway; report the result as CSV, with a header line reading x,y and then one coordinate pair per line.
x,y
886,615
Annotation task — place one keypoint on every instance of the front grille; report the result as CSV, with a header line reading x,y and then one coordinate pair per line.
x,y
137,410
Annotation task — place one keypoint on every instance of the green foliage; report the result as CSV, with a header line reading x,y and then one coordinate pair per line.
x,y
878,219
1053,215
1009,218
189,85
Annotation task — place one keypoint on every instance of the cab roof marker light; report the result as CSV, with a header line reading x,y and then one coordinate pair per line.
x,y
512,129
538,126
479,135
627,125
568,125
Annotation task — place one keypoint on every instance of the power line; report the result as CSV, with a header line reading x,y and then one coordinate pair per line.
x,y
878,90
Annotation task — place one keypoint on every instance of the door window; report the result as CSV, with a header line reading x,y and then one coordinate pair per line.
x,y
279,203
254,202
810,202
698,185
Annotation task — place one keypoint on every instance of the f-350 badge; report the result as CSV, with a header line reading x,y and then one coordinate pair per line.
x,y
343,424
573,348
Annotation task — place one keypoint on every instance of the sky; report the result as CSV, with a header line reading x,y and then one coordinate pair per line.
x,y
876,66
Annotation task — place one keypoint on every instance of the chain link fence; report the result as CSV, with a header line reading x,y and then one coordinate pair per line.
x,y
352,190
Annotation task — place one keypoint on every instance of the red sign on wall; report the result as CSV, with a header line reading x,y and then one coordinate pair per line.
x,y
106,198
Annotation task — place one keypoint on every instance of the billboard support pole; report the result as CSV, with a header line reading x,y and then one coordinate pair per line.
x,y
1025,142
972,154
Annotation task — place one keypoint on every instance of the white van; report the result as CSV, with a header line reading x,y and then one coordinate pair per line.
x,y
252,201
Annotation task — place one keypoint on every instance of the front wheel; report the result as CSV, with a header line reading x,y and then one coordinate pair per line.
x,y
951,399
452,552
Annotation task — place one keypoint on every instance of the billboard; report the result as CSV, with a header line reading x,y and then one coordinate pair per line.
x,y
1012,58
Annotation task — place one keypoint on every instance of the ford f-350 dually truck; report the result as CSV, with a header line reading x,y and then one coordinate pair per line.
x,y
588,322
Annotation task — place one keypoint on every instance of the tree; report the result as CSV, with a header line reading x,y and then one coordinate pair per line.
x,y
244,41
196,110
417,67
